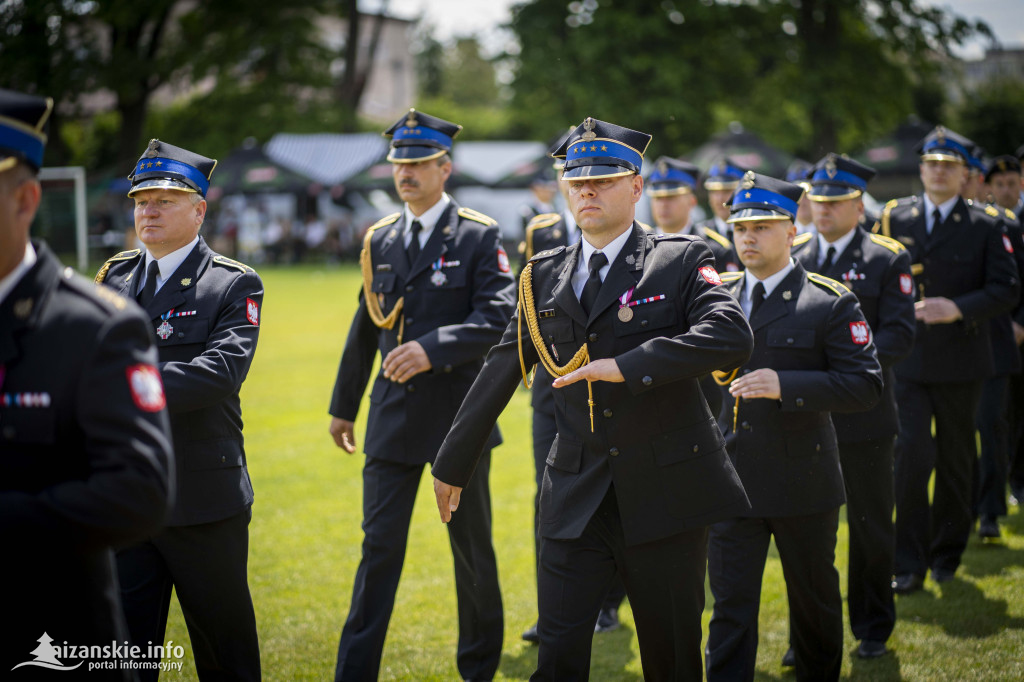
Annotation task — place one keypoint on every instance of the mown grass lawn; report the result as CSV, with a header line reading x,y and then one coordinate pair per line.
x,y
305,539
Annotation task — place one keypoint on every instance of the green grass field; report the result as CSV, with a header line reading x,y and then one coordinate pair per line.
x,y
305,539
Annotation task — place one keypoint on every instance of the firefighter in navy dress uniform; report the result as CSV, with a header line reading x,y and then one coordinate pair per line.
x,y
84,439
672,187
437,291
812,355
877,270
965,274
205,310
720,181
627,321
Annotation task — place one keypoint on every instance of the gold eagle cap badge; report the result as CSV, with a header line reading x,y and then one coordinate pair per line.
x,y
830,166
588,127
151,152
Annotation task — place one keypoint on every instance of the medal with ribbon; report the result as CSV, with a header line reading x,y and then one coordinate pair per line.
x,y
625,314
438,279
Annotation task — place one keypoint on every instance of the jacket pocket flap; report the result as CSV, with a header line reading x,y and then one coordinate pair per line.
x,y
565,455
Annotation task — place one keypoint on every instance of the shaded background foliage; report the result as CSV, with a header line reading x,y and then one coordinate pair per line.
x,y
808,75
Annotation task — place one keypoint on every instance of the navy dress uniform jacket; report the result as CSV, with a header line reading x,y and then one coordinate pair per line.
x,y
654,437
203,362
966,260
455,320
877,270
724,251
545,232
785,450
81,469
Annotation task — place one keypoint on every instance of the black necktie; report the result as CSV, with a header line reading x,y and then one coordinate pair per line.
x,y
589,294
830,257
756,298
936,220
149,288
414,243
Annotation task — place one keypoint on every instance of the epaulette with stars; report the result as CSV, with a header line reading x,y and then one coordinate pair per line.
x,y
887,242
477,216
828,284
117,257
547,254
225,261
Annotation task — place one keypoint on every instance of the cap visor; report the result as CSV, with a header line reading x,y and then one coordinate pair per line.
x,y
721,184
747,214
414,154
161,183
832,192
940,155
668,191
595,172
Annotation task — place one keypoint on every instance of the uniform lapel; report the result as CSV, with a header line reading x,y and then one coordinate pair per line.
x,y
919,226
562,292
170,294
777,305
623,274
847,261
436,245
945,231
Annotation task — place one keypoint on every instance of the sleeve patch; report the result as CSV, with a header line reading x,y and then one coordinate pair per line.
x,y
503,260
710,274
1007,245
252,312
146,387
859,333
906,284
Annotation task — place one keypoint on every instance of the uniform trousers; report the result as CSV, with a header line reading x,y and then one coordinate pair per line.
x,y
206,565
868,477
1016,471
544,432
993,465
664,581
934,535
737,551
389,494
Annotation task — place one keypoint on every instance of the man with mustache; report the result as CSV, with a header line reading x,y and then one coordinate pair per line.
x,y
437,291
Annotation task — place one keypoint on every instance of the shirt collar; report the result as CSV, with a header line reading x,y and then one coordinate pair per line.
x,y
14,276
169,263
839,245
945,208
769,282
611,251
429,217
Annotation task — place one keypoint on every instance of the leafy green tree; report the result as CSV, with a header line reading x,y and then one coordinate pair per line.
x,y
992,116
810,75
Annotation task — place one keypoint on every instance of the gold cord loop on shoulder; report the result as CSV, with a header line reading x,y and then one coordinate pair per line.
x,y
528,309
372,304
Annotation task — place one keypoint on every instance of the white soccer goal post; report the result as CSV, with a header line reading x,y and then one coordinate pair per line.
x,y
75,174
